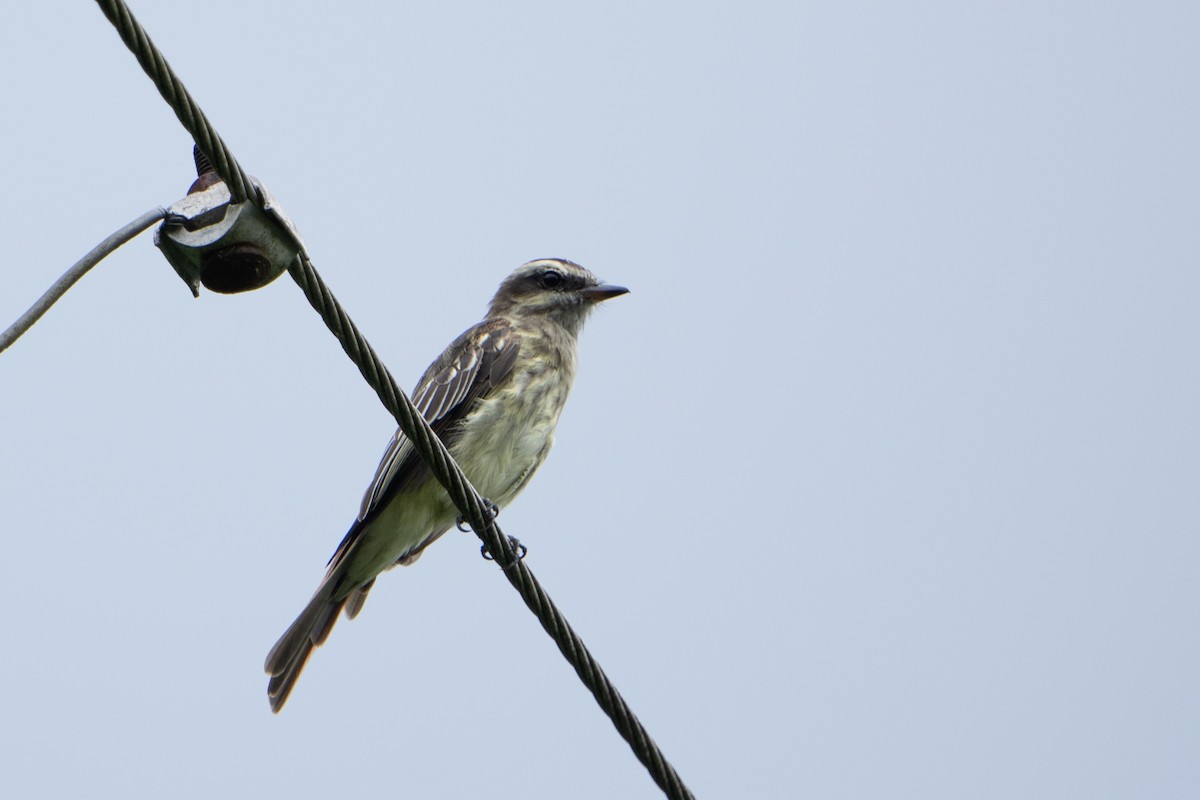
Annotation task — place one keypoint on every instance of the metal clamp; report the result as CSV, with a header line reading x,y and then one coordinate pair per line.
x,y
228,247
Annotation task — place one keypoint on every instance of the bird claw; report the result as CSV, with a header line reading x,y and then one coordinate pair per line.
x,y
491,508
514,543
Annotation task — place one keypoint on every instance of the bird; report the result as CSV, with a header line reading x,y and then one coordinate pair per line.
x,y
494,397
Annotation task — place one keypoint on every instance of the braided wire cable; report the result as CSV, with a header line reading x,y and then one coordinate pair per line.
x,y
424,440
155,65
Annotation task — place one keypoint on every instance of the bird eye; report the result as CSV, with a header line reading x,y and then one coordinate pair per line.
x,y
551,279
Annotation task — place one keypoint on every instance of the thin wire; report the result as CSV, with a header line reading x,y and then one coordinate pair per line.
x,y
424,440
76,272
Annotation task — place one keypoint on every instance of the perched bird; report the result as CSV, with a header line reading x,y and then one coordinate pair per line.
x,y
494,397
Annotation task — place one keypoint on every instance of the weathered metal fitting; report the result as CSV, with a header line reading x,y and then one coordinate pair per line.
x,y
206,176
228,247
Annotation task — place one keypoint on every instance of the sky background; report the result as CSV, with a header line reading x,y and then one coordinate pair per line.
x,y
881,483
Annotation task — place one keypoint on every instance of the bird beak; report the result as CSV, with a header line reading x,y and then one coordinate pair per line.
x,y
605,291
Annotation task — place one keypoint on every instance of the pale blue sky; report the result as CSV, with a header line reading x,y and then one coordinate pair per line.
x,y
881,483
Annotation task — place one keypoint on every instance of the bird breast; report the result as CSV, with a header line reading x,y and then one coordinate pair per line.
x,y
511,431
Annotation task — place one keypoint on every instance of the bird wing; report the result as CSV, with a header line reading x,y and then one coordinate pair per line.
x,y
467,371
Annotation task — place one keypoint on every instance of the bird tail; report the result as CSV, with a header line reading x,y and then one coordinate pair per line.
x,y
289,655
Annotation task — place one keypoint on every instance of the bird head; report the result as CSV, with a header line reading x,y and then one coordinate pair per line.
x,y
554,287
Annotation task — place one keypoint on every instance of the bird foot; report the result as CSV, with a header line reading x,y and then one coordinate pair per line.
x,y
519,549
491,508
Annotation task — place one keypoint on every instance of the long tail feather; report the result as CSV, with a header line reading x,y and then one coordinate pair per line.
x,y
289,655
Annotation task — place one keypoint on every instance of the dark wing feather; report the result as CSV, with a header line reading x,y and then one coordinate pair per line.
x,y
437,392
